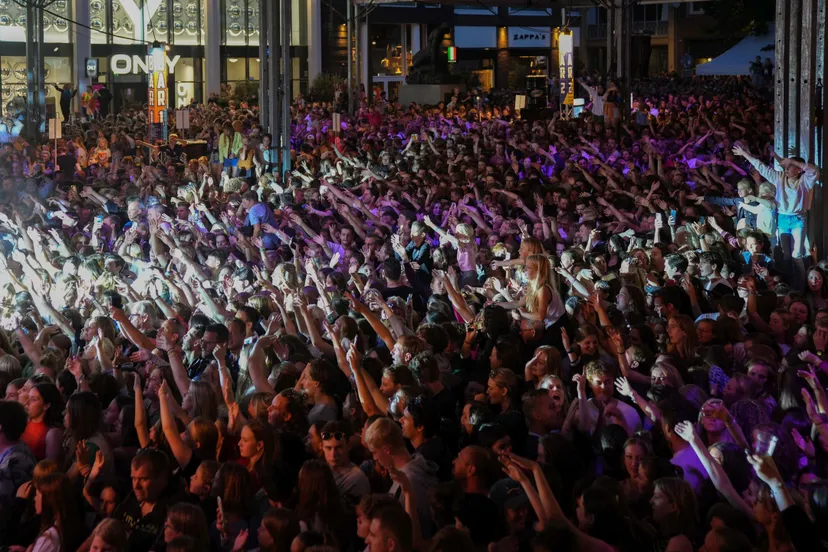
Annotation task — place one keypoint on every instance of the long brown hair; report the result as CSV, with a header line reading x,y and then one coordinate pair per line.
x,y
189,519
58,510
318,495
282,526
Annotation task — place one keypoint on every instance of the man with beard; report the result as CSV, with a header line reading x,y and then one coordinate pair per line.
x,y
288,412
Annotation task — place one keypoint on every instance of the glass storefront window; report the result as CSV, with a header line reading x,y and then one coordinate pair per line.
x,y
186,28
386,49
56,27
235,20
14,80
236,69
99,20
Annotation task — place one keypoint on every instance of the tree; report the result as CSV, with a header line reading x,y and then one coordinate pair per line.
x,y
740,17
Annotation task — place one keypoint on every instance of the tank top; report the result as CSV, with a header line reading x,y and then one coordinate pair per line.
x,y
35,438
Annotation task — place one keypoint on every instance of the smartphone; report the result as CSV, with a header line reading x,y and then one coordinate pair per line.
x,y
99,219
673,213
251,339
701,220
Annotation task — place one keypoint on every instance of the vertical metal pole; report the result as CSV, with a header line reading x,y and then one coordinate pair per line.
x,y
287,81
358,53
275,63
350,41
610,7
34,70
264,76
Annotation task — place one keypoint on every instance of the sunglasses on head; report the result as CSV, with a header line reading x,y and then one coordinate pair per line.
x,y
335,435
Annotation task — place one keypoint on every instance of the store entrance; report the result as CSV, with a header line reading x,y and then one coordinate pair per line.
x,y
130,95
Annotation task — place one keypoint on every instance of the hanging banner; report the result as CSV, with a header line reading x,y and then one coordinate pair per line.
x,y
158,98
565,65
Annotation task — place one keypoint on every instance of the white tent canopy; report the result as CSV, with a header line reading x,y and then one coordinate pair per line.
x,y
736,61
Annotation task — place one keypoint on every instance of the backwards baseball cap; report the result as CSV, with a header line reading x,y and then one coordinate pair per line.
x,y
508,493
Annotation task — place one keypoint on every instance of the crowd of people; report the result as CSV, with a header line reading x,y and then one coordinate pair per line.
x,y
448,328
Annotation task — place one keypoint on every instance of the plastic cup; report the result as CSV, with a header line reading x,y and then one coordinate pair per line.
x,y
764,444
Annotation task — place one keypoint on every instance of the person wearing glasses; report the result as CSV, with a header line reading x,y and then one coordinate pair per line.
x,y
352,483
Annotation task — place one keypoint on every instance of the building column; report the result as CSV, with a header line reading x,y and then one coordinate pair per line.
x,y
673,41
582,49
416,38
502,59
264,64
314,39
404,54
800,97
212,48
81,49
364,59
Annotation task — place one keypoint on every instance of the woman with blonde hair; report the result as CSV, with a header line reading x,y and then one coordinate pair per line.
x,y
463,241
541,301
547,361
200,401
664,372
11,366
109,536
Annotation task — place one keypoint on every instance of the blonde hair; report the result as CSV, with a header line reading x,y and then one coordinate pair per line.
x,y
11,366
113,533
384,432
542,279
464,232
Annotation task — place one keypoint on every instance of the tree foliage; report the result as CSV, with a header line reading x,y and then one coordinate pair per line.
x,y
740,17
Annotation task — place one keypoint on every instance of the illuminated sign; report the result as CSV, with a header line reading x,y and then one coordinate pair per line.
x,y
158,97
522,37
92,68
565,49
452,54
122,64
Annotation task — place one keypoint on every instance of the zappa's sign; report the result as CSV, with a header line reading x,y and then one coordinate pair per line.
x,y
521,37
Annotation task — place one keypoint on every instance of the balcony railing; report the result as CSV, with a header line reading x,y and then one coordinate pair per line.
x,y
655,28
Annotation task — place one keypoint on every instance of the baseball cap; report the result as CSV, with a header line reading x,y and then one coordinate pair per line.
x,y
508,493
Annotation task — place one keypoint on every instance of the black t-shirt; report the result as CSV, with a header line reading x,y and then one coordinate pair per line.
x,y
144,530
403,292
66,163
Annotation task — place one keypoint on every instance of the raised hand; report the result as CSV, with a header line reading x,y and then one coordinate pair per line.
x,y
810,358
686,431
622,385
805,445
97,465
240,541
565,340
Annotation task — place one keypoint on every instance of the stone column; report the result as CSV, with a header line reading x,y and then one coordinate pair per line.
x,y
416,38
81,48
212,48
502,60
364,58
314,39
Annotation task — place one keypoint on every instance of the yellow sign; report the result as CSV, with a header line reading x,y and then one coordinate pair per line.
x,y
158,100
566,67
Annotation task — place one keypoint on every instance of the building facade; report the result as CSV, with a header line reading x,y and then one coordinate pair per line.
x,y
212,46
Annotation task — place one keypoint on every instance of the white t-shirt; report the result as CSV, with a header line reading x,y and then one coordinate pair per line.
x,y
631,416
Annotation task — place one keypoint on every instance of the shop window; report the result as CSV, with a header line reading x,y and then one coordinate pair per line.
x,y
186,25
